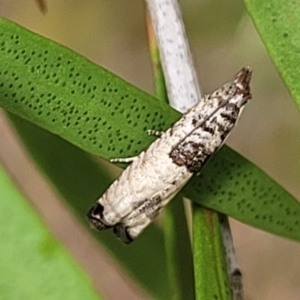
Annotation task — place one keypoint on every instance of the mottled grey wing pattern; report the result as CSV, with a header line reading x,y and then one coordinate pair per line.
x,y
158,174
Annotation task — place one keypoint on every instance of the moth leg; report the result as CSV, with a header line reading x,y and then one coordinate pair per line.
x,y
154,132
123,160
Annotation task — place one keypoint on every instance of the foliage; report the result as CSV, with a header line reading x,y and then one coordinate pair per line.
x,y
55,96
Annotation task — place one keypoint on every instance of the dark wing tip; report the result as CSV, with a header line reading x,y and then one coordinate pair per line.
x,y
96,219
121,232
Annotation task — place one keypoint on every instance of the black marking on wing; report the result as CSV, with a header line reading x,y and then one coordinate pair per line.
x,y
96,218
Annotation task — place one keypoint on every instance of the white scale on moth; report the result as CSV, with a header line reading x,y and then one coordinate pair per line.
x,y
158,174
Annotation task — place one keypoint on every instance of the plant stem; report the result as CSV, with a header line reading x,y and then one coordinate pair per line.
x,y
181,80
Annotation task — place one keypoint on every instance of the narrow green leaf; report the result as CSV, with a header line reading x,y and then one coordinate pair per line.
x,y
278,23
33,264
63,92
125,113
244,192
178,251
159,79
81,181
211,277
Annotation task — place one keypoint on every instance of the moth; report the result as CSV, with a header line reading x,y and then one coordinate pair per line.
x,y
157,174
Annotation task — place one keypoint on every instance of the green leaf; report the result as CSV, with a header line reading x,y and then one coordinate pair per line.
x,y
211,276
81,181
33,264
61,91
244,192
278,23
178,251
30,89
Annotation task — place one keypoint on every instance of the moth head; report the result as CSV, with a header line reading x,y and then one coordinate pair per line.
x,y
239,86
242,82
227,91
234,106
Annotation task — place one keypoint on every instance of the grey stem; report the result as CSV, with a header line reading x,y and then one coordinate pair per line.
x,y
183,92
180,75
233,267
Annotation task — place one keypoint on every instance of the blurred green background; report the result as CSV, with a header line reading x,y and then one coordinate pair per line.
x,y
222,39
